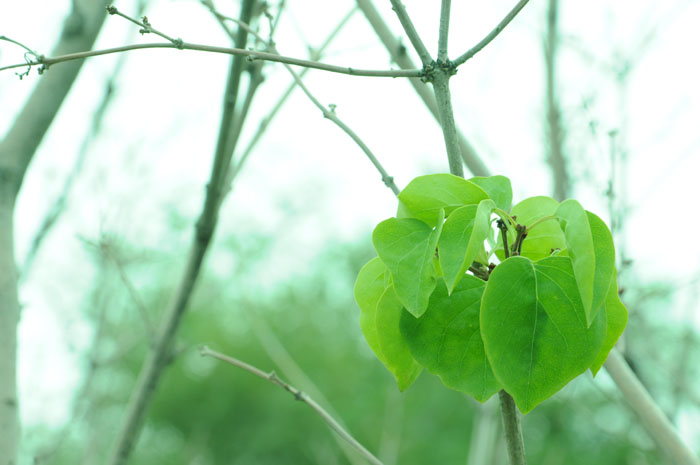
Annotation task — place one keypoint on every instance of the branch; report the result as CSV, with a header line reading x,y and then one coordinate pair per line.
x,y
265,123
444,30
298,395
411,32
653,419
399,56
161,353
441,86
329,114
492,35
284,361
46,62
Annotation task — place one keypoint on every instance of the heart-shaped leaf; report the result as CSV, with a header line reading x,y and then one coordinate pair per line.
x,y
534,328
407,247
396,355
446,339
369,287
462,239
616,320
425,196
593,259
498,189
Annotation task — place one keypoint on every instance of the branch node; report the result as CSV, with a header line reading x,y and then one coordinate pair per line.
x,y
112,10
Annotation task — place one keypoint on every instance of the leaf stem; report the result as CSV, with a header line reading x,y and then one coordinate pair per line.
x,y
512,429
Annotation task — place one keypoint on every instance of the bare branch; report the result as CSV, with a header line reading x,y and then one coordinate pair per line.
x,y
46,62
298,395
411,32
327,113
444,30
492,35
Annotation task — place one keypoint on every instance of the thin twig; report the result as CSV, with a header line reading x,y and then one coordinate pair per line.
x,y
327,113
133,293
653,419
290,368
298,395
444,30
146,27
265,123
411,32
45,62
492,35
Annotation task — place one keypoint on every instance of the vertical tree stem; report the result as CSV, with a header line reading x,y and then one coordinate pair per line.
x,y
444,30
441,87
512,429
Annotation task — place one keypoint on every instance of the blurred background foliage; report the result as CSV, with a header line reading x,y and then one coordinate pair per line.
x,y
208,412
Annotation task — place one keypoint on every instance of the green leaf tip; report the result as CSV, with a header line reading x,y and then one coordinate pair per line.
x,y
425,196
462,239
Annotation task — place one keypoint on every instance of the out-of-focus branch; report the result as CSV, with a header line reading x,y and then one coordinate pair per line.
x,y
653,419
204,231
399,56
327,113
298,395
555,131
16,151
290,368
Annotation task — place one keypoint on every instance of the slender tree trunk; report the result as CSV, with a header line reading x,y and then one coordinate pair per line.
x,y
9,317
16,151
555,132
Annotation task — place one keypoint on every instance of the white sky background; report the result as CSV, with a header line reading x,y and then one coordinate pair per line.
x,y
160,131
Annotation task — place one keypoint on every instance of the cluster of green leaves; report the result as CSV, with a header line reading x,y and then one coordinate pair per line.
x,y
547,312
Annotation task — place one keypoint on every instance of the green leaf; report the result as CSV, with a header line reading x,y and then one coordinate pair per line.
x,y
426,195
534,328
396,355
498,189
407,247
447,341
369,287
604,250
545,236
590,246
616,316
462,239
